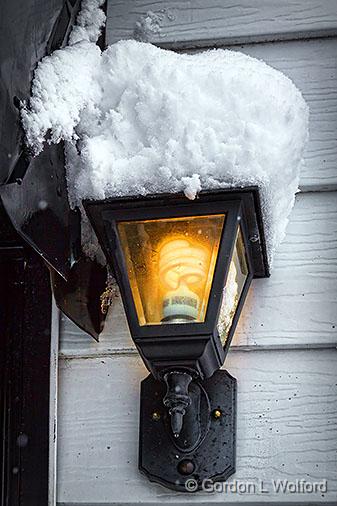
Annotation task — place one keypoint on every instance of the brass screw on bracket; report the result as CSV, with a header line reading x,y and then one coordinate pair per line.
x,y
155,416
216,413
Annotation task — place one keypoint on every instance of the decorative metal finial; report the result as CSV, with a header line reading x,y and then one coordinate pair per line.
x,y
177,398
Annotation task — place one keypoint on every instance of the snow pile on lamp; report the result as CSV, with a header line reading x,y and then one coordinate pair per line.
x,y
139,120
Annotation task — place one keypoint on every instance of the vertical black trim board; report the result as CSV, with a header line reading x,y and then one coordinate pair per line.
x,y
25,332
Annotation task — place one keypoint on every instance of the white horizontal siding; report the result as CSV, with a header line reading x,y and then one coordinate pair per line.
x,y
186,23
296,306
286,416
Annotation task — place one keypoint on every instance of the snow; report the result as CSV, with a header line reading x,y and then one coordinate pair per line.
x,y
150,25
138,120
147,26
229,302
63,86
89,22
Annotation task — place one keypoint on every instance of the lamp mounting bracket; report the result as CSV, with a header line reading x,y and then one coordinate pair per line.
x,y
205,447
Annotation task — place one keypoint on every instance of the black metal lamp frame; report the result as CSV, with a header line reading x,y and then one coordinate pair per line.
x,y
186,356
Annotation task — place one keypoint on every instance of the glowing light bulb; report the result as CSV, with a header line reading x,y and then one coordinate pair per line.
x,y
183,268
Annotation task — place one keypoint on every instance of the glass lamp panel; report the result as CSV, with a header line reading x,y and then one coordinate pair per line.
x,y
170,264
236,278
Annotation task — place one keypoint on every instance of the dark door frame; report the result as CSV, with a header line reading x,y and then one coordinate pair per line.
x,y
25,346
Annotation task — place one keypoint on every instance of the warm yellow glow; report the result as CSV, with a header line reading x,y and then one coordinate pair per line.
x,y
181,262
170,266
183,270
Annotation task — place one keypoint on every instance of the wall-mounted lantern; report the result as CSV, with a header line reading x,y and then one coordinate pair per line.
x,y
178,263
